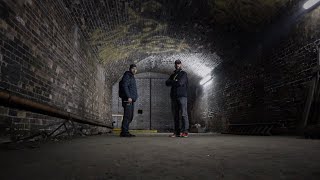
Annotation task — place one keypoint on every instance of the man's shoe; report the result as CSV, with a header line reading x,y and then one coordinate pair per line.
x,y
174,135
125,135
131,135
184,135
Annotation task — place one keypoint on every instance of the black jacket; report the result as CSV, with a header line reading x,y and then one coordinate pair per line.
x,y
128,87
179,84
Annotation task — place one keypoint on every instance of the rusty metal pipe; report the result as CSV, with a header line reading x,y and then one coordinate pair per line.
x,y
9,100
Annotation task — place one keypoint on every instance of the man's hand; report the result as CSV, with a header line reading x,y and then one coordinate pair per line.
x,y
129,100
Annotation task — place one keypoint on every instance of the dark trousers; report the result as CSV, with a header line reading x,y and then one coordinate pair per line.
x,y
127,117
179,106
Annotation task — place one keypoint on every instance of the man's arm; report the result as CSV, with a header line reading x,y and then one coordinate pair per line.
x,y
170,82
125,81
183,79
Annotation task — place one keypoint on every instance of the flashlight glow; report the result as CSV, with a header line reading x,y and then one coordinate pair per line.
x,y
310,3
205,80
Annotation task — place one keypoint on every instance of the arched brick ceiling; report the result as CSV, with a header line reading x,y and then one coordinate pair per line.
x,y
154,32
197,65
249,15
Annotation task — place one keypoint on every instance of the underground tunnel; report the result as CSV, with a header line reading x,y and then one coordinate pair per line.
x,y
252,99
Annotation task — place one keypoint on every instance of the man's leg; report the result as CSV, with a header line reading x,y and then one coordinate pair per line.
x,y
175,113
126,118
131,117
184,113
131,112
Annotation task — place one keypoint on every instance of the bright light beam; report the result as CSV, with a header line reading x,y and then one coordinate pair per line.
x,y
205,80
310,3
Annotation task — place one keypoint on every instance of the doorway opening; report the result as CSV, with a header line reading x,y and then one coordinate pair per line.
x,y
152,110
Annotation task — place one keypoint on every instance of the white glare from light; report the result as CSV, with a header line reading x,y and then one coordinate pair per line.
x,y
310,3
205,80
208,83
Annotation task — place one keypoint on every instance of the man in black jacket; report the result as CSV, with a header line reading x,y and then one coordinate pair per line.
x,y
128,94
179,93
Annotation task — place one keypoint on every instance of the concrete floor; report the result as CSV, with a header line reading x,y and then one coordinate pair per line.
x,y
160,157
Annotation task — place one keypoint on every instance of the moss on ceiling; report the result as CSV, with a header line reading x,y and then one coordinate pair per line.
x,y
145,26
139,34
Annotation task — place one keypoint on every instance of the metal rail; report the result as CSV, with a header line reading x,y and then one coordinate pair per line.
x,y
9,100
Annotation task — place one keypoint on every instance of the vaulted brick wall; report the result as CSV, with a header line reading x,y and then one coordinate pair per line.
x,y
68,54
45,58
270,87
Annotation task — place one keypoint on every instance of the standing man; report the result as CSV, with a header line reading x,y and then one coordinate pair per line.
x,y
128,94
179,92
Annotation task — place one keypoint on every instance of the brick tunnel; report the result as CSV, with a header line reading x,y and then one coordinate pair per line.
x,y
253,93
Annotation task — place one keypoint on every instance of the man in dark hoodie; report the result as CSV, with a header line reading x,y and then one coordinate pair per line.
x,y
179,93
128,94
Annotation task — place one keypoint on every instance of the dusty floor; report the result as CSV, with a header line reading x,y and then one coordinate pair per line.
x,y
160,157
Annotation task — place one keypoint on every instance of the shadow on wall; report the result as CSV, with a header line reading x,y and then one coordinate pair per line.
x,y
250,15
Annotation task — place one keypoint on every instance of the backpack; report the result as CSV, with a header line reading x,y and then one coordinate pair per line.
x,y
121,90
